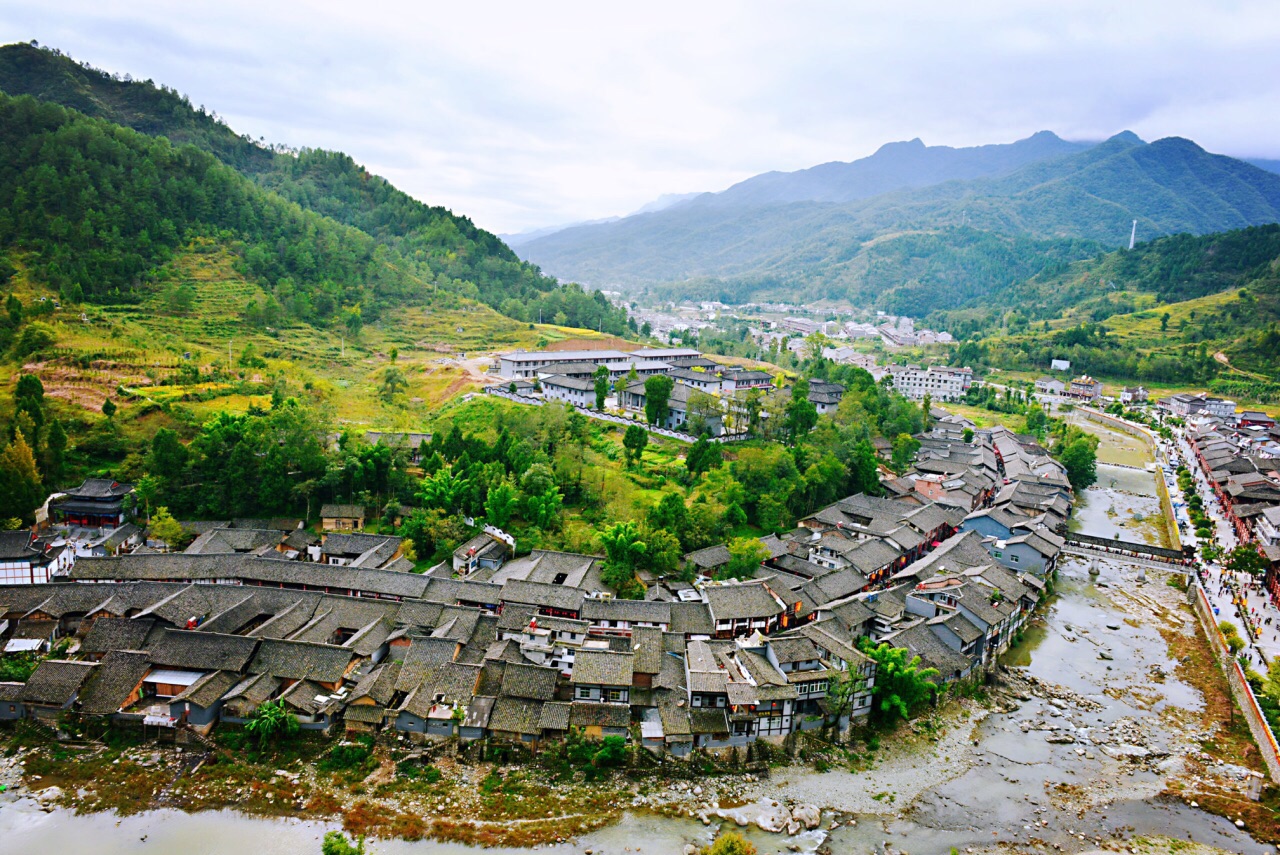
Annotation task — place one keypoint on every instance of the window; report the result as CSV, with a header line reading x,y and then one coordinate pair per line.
x,y
616,696
584,693
1015,559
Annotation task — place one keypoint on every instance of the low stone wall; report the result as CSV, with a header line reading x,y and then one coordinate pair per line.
x,y
1240,688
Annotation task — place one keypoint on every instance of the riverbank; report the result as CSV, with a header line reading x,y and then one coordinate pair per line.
x,y
1118,726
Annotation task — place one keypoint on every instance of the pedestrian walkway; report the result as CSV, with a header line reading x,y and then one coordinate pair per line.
x,y
1242,602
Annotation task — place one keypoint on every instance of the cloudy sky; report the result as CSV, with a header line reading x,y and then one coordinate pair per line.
x,y
527,114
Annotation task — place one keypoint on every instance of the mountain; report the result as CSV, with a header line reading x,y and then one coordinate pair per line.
x,y
894,166
1067,205
428,243
1157,313
1263,163
660,204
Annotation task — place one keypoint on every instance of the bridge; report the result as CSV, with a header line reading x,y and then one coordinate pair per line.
x,y
1143,554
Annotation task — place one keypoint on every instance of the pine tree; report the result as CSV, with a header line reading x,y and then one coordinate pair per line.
x,y
20,488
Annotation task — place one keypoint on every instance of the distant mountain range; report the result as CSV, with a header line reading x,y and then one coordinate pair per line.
x,y
921,218
660,204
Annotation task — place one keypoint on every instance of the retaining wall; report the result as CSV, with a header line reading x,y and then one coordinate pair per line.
x,y
1162,489
1240,688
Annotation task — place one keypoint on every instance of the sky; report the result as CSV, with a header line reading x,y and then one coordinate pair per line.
x,y
523,115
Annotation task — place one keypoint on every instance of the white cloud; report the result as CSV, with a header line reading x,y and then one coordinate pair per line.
x,y
527,114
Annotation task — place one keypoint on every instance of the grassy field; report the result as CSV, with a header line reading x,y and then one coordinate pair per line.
x,y
443,353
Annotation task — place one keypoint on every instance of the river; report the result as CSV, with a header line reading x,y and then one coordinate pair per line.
x,y
996,784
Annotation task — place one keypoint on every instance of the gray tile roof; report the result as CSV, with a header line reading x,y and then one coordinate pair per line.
x,y
735,601
529,681
55,682
634,611
116,633
516,715
546,596
297,660
555,716
113,681
201,651
206,691
602,668
599,715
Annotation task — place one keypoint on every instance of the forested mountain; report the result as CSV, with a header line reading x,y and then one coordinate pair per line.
x,y
103,227
916,250
1156,313
894,166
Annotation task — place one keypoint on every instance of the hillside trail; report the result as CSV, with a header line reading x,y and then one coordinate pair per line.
x,y
1222,359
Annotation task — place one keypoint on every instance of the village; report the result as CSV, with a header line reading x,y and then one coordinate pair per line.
x,y
949,564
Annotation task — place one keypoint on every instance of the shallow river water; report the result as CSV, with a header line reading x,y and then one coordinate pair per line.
x,y
1007,790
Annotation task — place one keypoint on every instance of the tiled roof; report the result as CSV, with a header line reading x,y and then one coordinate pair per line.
x,y
55,682
113,681
529,681
599,715
602,668
297,660
201,651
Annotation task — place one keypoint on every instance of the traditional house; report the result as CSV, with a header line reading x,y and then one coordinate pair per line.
x,y
342,517
741,608
27,560
601,675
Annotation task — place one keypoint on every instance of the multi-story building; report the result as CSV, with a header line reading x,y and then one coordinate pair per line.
x,y
939,382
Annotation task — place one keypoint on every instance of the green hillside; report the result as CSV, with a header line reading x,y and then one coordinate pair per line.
x,y
429,245
1176,311
919,250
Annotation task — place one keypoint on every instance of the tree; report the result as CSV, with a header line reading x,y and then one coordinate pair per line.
x,y
393,383
664,551
336,843
901,685
728,843
657,398
145,490
35,337
634,441
624,550
702,456
165,527
55,452
704,411
905,447
801,414
1080,460
443,490
601,379
670,514
543,509
271,722
745,556
842,689
108,408
1246,558
168,455
864,469
20,487
1164,322
500,504
967,435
